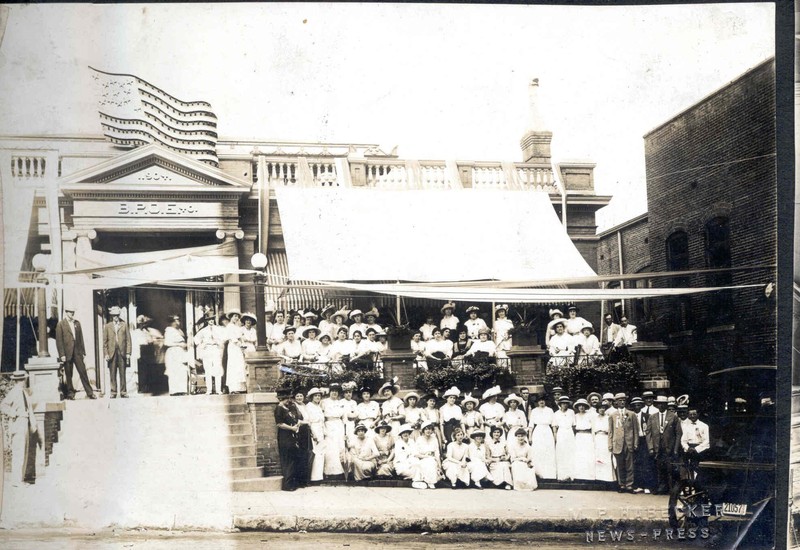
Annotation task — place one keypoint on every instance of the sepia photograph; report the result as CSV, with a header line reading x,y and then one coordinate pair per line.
x,y
356,275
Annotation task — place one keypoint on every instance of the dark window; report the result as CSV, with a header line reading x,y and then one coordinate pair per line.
x,y
678,260
718,255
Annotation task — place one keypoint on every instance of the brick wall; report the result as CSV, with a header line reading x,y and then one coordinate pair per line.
x,y
266,436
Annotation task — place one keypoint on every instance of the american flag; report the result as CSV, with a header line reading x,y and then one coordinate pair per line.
x,y
133,112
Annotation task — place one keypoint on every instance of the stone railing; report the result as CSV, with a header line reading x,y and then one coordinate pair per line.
x,y
301,172
28,166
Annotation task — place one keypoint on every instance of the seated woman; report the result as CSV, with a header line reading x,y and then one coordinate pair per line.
x,y
473,419
450,414
368,410
561,347
428,454
362,455
363,351
290,350
392,409
406,464
324,353
438,351
590,351
342,348
418,348
483,351
462,345
456,460
514,417
498,461
522,467
503,327
478,453
413,414
310,345
384,443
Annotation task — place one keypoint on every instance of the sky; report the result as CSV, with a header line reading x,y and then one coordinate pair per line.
x,y
438,81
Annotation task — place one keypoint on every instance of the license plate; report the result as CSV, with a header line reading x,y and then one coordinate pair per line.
x,y
731,509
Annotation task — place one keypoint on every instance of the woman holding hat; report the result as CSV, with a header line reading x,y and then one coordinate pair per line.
x,y
450,414
310,346
362,456
438,351
316,424
448,319
392,409
290,350
430,414
335,411
542,441
603,469
478,453
413,414
473,419
513,418
502,329
563,430
175,359
249,336
384,442
555,315
474,323
368,410
584,441
406,464
428,454
461,345
236,372
491,410
483,350
523,465
456,459
498,460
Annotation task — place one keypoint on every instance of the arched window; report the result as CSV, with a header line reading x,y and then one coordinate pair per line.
x,y
678,251
678,260
718,255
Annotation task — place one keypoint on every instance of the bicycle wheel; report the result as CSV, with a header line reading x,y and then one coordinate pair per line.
x,y
685,505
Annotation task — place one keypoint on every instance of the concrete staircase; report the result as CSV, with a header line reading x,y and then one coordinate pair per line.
x,y
155,461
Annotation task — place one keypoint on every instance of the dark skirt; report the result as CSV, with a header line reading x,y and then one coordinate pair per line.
x,y
449,427
440,360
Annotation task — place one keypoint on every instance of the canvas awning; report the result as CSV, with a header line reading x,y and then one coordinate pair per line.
x,y
336,234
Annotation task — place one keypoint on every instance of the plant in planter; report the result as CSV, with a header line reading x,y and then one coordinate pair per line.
x,y
398,334
524,332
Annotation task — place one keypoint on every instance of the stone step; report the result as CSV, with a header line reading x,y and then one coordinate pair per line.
x,y
240,439
246,472
246,461
257,484
246,449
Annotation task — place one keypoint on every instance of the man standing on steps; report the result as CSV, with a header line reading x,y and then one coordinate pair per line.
x,y
21,425
71,350
623,441
117,349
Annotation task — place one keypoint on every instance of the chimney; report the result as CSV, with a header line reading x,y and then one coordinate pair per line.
x,y
535,143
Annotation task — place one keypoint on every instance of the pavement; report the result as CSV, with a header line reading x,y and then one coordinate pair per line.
x,y
367,510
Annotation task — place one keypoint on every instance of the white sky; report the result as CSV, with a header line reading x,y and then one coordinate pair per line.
x,y
440,81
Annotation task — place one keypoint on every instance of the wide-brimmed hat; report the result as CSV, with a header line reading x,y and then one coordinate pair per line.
x,y
411,394
19,375
305,330
476,309
587,325
492,392
477,433
405,428
454,391
580,401
556,310
589,397
662,399
327,308
69,307
142,319
648,393
372,312
610,396
485,331
428,424
564,399
498,307
555,322
356,312
469,399
448,305
289,328
341,312
513,397
310,314
391,384
114,310
233,311
620,395
325,335
313,391
251,316
359,427
383,424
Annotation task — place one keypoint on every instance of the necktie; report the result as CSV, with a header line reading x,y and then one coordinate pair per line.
x,y
662,422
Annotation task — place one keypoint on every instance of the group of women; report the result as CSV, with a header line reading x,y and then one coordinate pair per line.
x,y
470,443
571,340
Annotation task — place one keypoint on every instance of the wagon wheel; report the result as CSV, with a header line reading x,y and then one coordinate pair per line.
x,y
686,497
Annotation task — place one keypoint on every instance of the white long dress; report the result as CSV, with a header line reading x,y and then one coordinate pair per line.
x,y
349,409
477,461
406,464
316,425
175,361
501,338
492,414
565,444
500,467
542,442
236,367
523,473
455,465
334,410
393,407
514,419
603,469
428,453
584,446
249,339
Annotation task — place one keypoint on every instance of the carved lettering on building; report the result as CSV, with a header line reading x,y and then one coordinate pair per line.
x,y
154,176
155,209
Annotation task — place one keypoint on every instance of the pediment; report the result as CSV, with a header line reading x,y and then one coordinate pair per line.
x,y
153,168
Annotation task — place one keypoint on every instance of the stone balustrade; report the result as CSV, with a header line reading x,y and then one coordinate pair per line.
x,y
28,166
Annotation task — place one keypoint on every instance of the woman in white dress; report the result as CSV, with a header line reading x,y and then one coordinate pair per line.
x,y
335,411
542,441
455,464
498,461
325,325
574,323
427,451
590,346
236,372
584,441
514,417
316,424
413,414
483,350
523,465
393,408
555,315
431,414
563,430
418,349
603,469
362,456
473,419
309,344
491,410
337,323
450,414
384,442
448,319
342,348
438,351
502,330
249,335
406,464
175,358
562,347
350,409
368,411
290,350
478,454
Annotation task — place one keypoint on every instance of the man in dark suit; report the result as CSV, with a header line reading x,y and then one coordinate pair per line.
x,y
525,394
71,350
623,441
117,349
664,442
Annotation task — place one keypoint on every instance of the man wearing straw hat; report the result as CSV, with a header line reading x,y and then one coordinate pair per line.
x,y
71,350
117,350
22,426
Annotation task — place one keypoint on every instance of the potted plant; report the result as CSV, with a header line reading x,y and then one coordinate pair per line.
x,y
524,332
399,337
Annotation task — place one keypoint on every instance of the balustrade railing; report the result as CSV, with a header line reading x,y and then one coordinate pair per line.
x,y
387,175
25,166
434,175
490,176
536,178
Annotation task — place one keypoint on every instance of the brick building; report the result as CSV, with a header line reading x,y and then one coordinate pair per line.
x,y
711,197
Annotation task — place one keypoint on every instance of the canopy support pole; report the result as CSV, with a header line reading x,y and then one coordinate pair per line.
x,y
621,269
19,314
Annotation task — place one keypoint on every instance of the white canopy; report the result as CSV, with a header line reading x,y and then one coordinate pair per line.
x,y
336,234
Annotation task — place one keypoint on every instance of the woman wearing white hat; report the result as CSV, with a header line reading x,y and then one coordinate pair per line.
x,y
498,460
562,346
543,443
392,409
555,315
310,344
249,335
513,418
236,372
491,410
357,315
584,441
603,469
448,319
406,464
455,464
474,323
428,453
413,414
523,465
335,411
473,419
370,317
430,414
589,344
336,323
503,326
450,414
175,359
316,424
563,430
362,454
325,324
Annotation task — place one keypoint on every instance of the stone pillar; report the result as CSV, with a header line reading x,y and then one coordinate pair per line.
x,y
401,365
262,371
535,147
649,357
465,173
527,364
358,171
577,176
247,295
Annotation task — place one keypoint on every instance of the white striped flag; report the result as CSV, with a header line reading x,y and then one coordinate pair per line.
x,y
133,112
